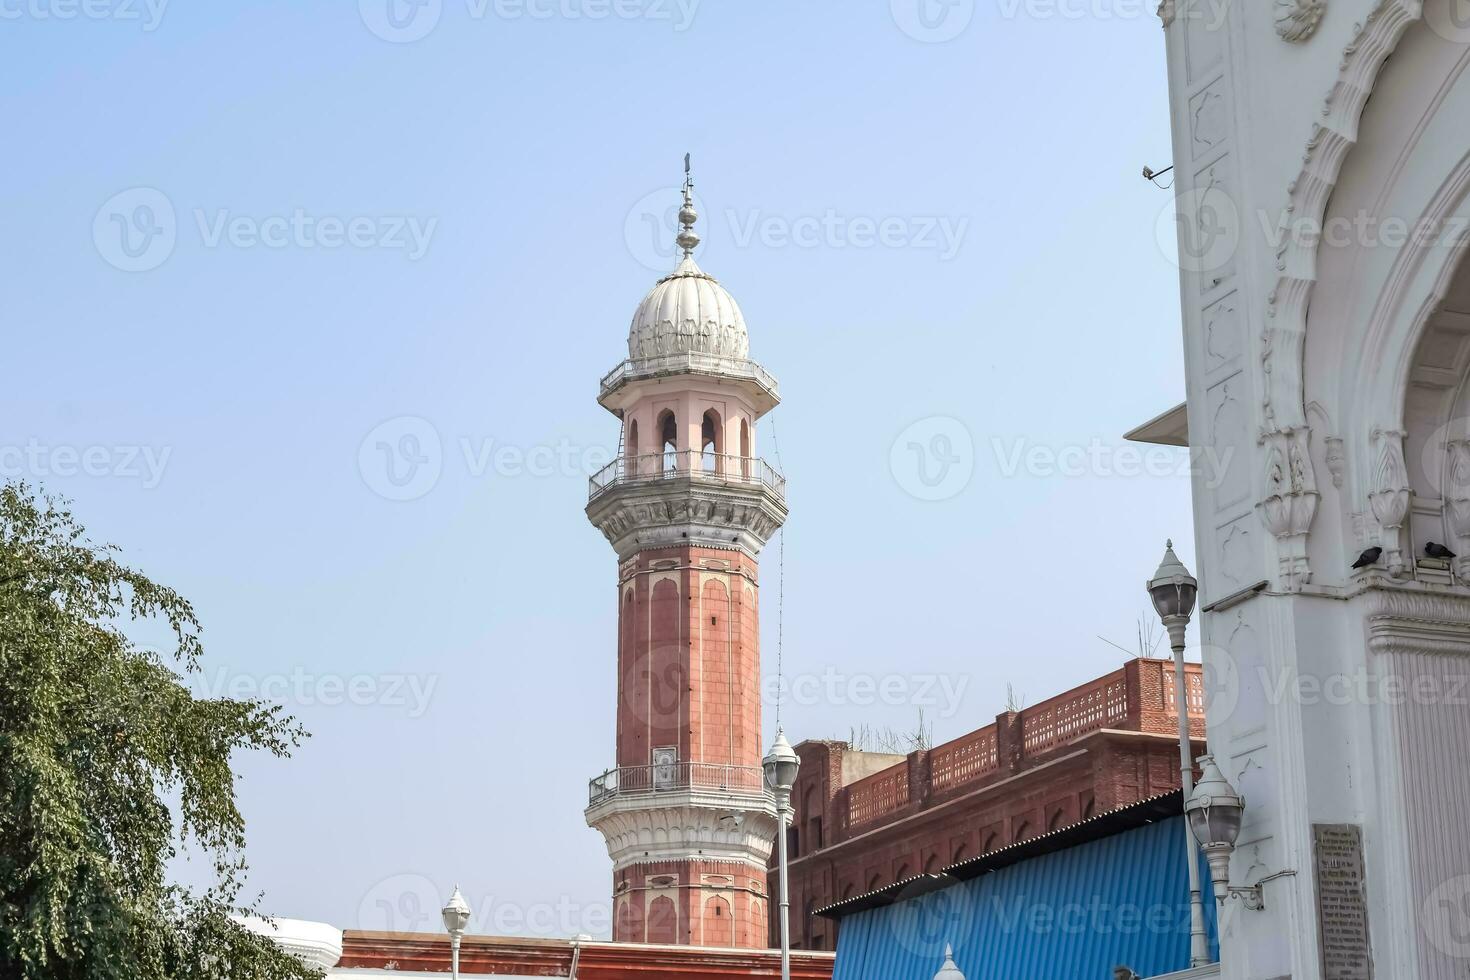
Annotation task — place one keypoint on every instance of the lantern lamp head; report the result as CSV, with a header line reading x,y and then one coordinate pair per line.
x,y
456,914
1172,588
1214,811
781,765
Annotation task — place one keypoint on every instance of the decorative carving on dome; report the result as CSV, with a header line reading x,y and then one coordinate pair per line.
x,y
688,312
689,336
1297,20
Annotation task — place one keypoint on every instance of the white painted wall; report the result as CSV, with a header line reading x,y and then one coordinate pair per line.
x,y
1309,372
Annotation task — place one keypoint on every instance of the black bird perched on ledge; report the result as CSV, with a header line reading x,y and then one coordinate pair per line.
x,y
1368,557
1435,550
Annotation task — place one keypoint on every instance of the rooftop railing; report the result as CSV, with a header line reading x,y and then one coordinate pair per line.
x,y
1145,703
711,777
705,467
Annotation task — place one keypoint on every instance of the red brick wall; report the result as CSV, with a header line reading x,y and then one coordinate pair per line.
x,y
1093,752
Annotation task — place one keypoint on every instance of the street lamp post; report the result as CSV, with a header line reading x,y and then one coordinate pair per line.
x,y
1215,810
456,918
780,765
1173,590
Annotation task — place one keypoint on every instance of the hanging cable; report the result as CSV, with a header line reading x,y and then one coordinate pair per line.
x,y
780,593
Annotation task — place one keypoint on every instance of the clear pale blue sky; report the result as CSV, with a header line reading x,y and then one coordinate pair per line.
x,y
532,144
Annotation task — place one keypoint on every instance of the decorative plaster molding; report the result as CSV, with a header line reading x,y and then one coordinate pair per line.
x,y
1327,147
1336,459
1290,502
675,512
1297,20
1411,620
686,825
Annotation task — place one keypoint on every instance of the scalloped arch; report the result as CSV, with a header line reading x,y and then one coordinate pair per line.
x,y
1332,138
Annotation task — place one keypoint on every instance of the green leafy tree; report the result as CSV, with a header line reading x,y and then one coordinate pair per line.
x,y
108,765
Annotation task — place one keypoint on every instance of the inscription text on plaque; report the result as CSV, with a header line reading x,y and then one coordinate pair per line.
x,y
1342,909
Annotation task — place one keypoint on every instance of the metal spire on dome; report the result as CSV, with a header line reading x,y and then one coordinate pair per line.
x,y
686,238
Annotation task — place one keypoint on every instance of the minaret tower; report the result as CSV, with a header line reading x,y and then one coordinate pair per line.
x,y
687,506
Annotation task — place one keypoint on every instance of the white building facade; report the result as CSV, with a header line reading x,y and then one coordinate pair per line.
x,y
1322,153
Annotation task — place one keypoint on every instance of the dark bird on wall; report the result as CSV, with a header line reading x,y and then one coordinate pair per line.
x,y
1436,550
1368,557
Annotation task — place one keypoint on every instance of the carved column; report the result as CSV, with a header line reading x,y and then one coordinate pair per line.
x,y
1390,498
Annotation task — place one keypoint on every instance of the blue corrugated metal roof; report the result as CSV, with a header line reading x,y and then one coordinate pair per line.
x,y
1069,915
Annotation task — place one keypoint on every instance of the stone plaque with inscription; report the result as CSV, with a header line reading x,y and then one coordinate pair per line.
x,y
1342,908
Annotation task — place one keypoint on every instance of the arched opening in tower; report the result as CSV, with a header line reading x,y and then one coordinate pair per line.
x,y
711,442
668,435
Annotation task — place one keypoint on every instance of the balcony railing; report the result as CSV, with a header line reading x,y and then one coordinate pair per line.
x,y
633,780
715,468
726,367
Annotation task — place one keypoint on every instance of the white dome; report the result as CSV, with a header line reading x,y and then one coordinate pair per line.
x,y
687,312
317,943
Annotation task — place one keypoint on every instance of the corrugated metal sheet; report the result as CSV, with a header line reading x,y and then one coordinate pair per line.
x,y
1070,915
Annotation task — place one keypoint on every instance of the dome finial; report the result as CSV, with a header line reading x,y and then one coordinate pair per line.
x,y
686,238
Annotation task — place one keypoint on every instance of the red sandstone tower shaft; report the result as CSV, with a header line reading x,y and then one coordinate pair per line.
x,y
687,507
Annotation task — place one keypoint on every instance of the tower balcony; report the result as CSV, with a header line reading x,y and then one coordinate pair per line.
x,y
718,469
621,386
684,811
686,498
676,777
